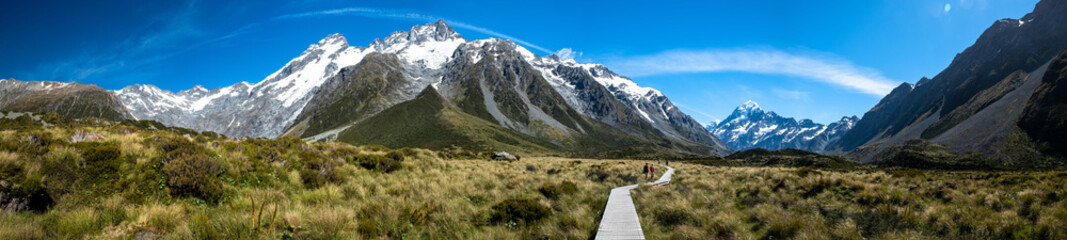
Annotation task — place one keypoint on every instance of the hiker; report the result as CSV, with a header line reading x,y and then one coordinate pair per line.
x,y
645,171
652,172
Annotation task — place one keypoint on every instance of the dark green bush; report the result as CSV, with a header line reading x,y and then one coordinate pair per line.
x,y
597,175
518,210
174,147
554,191
395,156
21,122
194,176
408,152
376,162
101,159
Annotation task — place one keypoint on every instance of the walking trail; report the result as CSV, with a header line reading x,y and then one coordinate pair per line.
x,y
620,217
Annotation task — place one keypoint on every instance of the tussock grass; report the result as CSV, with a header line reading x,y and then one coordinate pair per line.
x,y
138,179
781,203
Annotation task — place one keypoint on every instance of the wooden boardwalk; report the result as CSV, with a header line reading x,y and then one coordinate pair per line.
x,y
620,217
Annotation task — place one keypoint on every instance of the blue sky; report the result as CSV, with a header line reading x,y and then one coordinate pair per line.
x,y
806,59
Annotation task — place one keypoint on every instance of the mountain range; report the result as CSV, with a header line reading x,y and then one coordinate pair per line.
x,y
750,127
430,87
485,94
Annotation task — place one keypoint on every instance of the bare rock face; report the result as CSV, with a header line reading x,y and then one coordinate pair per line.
x,y
38,201
968,93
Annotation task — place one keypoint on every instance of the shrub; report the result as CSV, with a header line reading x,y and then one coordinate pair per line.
x,y
531,168
101,159
597,175
195,176
554,191
377,162
518,210
395,156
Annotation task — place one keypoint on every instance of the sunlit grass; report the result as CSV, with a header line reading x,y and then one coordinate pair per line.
x,y
266,191
775,203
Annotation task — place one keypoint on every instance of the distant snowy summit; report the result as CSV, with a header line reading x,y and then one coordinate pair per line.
x,y
749,126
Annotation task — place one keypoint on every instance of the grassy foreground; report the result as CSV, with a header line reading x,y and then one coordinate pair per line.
x,y
122,181
707,202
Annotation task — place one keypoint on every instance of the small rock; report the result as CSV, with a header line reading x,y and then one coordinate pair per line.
x,y
504,156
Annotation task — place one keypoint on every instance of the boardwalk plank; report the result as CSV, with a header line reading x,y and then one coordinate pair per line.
x,y
620,217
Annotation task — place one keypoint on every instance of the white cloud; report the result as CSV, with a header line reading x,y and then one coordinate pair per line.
x,y
818,68
714,119
568,53
792,94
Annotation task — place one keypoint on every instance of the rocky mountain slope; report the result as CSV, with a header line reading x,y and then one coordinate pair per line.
x,y
1045,117
72,100
750,127
503,84
974,104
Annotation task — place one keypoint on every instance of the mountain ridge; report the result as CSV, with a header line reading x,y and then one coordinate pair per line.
x,y
982,91
332,85
749,126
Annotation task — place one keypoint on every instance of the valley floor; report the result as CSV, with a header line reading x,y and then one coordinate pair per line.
x,y
129,180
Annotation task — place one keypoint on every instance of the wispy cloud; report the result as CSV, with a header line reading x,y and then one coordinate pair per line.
x,y
409,15
568,53
713,118
135,51
791,94
819,68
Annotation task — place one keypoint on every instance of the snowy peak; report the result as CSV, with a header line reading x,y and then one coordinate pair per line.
x,y
428,46
750,127
335,39
748,106
434,32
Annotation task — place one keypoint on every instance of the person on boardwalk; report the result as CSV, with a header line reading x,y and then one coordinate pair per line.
x,y
645,171
652,172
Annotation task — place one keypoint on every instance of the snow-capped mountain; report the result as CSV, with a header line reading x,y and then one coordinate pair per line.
x,y
750,127
572,80
266,108
333,85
